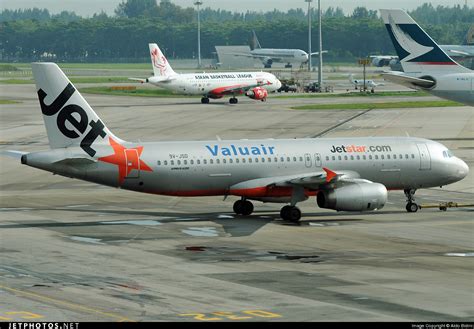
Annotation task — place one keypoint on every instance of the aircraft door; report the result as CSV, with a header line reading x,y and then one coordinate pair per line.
x,y
132,163
307,160
425,158
317,160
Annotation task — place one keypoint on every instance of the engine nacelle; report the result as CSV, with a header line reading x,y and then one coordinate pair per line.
x,y
362,196
267,62
257,93
379,62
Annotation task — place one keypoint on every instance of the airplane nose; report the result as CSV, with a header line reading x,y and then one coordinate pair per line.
x,y
278,84
462,170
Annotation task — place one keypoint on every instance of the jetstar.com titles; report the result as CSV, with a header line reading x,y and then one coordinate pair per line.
x,y
360,148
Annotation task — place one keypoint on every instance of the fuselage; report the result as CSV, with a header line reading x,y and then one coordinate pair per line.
x,y
213,83
203,168
282,55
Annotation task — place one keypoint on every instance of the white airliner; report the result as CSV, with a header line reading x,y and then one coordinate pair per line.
x,y
350,174
268,56
255,85
359,83
426,66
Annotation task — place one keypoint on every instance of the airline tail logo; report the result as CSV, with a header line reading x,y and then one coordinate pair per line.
x,y
125,159
159,60
405,41
72,120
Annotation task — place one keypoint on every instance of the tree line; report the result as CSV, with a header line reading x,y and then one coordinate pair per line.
x,y
34,34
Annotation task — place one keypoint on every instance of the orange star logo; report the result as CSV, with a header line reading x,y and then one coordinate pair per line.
x,y
126,159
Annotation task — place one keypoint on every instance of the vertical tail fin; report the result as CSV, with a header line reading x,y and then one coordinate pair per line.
x,y
161,67
417,51
69,119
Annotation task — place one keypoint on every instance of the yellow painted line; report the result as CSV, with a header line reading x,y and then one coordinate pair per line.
x,y
72,306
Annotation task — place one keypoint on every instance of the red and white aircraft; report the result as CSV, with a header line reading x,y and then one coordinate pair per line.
x,y
255,85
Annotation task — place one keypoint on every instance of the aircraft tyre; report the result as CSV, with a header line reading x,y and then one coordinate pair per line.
x,y
290,213
233,100
205,100
412,207
243,207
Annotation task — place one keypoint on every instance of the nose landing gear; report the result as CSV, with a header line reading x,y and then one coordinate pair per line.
x,y
411,205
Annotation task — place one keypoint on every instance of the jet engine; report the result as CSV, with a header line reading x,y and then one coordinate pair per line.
x,y
267,62
257,93
360,196
379,62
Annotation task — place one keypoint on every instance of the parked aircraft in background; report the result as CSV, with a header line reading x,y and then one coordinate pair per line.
x,y
268,56
359,83
426,66
344,174
255,85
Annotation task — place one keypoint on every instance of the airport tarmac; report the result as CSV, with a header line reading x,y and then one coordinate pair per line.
x,y
76,251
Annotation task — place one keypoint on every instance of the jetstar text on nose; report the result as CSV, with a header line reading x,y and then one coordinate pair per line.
x,y
66,115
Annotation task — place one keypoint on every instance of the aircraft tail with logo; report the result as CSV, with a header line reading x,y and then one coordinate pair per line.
x,y
69,119
161,67
417,51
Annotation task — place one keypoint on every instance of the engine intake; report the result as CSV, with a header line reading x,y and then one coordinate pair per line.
x,y
354,197
258,93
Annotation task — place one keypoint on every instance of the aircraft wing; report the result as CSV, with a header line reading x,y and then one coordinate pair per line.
x,y
154,79
138,79
317,53
313,180
406,80
13,153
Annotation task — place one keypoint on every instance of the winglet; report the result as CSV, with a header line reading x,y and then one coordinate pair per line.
x,y
329,174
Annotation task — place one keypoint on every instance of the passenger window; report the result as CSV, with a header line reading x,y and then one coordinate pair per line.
x,y
250,160
294,159
218,161
333,158
179,162
301,159
406,156
198,162
276,159
243,160
339,157
388,156
237,160
165,162
231,161
172,162
400,156
370,157
376,157
185,162
412,156
205,161
159,163
364,157
345,157
358,157
269,159
288,159
256,160
352,157
263,159
327,158
211,161
224,161
282,159
192,162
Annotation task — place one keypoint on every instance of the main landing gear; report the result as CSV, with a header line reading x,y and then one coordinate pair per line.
x,y
243,207
205,100
290,213
411,205
233,100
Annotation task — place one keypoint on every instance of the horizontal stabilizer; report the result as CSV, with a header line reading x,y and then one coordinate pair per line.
x,y
408,81
13,154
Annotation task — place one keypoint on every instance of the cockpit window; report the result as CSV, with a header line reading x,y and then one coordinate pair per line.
x,y
447,154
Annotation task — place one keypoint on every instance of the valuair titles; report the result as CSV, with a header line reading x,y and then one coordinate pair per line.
x,y
261,149
223,76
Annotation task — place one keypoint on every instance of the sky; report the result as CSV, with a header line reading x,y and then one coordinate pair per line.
x,y
89,7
